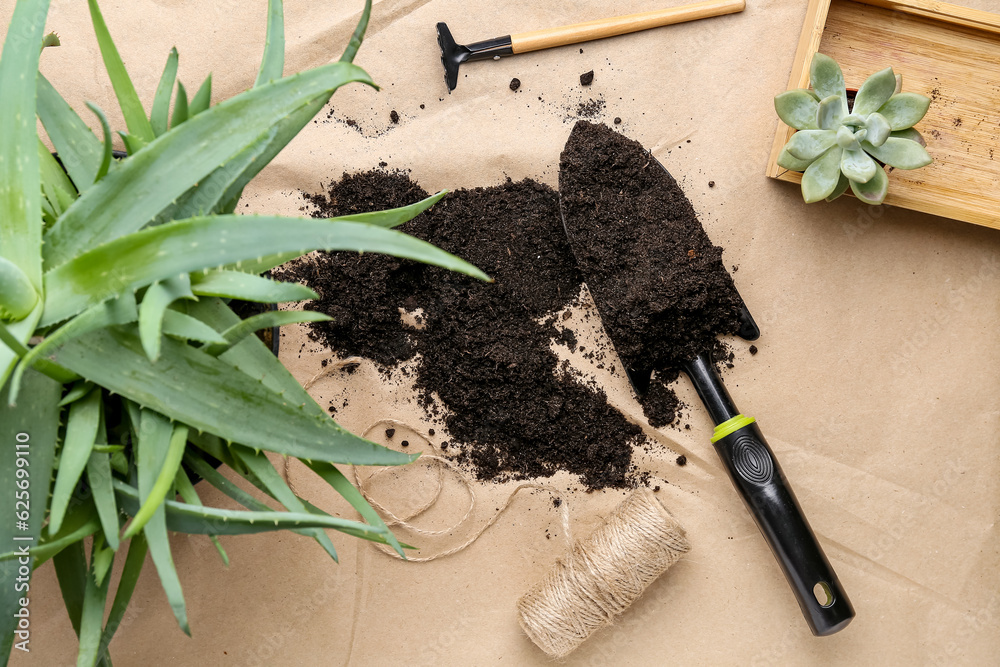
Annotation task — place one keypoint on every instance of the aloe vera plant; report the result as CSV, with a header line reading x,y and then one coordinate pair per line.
x,y
124,372
839,146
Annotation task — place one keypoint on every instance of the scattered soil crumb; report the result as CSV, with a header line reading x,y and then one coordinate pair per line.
x,y
587,78
394,116
515,83
753,350
590,109
618,120
682,460
389,432
711,184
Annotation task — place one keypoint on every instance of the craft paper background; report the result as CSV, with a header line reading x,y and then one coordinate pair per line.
x,y
875,383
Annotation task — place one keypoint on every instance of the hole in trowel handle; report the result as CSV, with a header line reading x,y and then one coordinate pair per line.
x,y
823,594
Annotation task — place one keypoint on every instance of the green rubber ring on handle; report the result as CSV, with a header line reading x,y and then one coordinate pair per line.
x,y
731,426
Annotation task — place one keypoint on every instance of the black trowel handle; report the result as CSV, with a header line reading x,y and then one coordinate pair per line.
x,y
755,473
757,476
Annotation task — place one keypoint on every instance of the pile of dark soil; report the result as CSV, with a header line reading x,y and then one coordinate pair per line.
x,y
485,349
485,364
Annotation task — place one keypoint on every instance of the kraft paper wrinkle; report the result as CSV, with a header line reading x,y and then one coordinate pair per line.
x,y
875,382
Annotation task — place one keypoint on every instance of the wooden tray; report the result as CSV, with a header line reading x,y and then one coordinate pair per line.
x,y
949,53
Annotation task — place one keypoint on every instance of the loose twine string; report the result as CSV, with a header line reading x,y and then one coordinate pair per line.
x,y
599,579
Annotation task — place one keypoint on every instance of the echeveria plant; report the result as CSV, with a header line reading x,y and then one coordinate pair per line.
x,y
838,146
125,376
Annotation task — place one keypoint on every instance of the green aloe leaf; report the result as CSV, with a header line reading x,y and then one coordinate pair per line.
x,y
94,598
273,63
18,296
202,99
133,144
788,161
180,107
56,185
821,178
21,191
178,160
874,191
155,446
248,287
154,305
187,492
263,470
359,34
827,79
219,191
810,144
858,165
899,153
841,188
79,389
81,433
388,218
164,90
874,92
99,478
185,327
829,113
210,395
115,311
879,129
105,165
185,518
79,150
81,521
167,464
179,247
70,565
905,110
273,318
797,108
137,549
128,99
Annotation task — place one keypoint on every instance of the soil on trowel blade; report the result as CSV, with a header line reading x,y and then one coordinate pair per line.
x,y
485,364
658,280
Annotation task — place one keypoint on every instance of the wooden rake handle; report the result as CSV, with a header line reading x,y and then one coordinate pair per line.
x,y
620,25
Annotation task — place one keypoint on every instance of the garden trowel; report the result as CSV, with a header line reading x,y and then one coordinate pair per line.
x,y
748,460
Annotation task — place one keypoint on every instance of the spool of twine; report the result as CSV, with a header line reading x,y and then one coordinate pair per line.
x,y
603,575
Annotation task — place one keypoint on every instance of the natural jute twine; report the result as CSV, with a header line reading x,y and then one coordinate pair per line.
x,y
603,576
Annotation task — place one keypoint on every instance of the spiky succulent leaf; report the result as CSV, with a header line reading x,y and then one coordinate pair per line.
x,y
154,304
185,327
70,565
79,150
180,114
202,99
274,318
185,489
797,109
821,178
81,433
128,99
164,90
827,79
94,599
210,395
99,480
904,110
158,253
874,92
810,144
359,34
273,63
899,153
176,161
879,129
248,287
874,191
17,295
857,165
